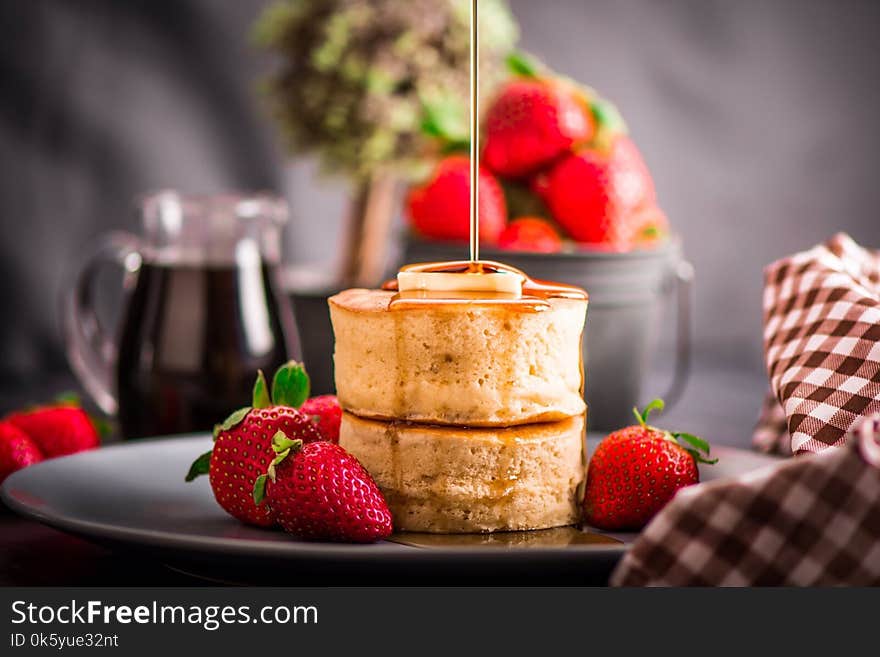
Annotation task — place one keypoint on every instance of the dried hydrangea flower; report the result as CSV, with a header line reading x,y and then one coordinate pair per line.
x,y
359,81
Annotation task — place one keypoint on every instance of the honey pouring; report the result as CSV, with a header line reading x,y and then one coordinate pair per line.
x,y
474,281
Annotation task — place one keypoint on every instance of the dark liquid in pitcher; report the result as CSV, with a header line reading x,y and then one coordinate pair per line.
x,y
192,341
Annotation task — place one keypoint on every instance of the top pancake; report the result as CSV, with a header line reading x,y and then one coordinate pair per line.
x,y
486,364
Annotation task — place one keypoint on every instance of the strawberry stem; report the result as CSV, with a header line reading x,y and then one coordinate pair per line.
x,y
694,445
642,417
281,444
283,447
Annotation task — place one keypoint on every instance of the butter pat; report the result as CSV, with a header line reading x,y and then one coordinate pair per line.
x,y
506,282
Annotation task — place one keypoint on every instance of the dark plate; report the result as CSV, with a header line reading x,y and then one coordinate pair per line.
x,y
133,496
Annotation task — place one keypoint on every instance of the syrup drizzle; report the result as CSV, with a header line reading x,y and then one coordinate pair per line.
x,y
541,539
535,293
475,135
534,298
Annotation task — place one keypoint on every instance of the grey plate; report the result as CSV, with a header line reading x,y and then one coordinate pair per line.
x,y
133,496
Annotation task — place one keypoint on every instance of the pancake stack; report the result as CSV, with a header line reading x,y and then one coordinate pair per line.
x,y
469,416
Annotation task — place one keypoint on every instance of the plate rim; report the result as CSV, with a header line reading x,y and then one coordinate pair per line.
x,y
241,547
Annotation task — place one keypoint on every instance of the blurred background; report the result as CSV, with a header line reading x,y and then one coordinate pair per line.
x,y
756,118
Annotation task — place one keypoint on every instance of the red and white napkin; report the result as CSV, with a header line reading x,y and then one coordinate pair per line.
x,y
813,520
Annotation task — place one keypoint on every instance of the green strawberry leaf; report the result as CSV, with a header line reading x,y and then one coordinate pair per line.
x,y
282,446
103,426
216,432
281,456
280,442
261,397
699,458
519,63
69,398
607,116
199,467
234,420
446,119
457,146
259,490
609,124
693,441
290,385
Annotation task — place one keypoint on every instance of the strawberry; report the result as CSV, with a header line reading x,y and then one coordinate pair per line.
x,y
593,193
532,122
650,226
635,471
243,442
17,450
530,234
539,185
318,491
440,208
326,414
57,430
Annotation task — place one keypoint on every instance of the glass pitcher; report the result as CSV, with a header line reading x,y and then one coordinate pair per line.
x,y
201,312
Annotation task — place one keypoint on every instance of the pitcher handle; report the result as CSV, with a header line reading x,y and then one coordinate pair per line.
x,y
91,351
682,283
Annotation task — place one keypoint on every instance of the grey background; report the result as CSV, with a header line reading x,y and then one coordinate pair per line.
x,y
757,119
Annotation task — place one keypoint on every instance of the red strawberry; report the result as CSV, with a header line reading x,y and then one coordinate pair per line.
x,y
650,226
320,492
243,443
530,234
539,184
58,430
17,450
635,471
593,193
326,414
532,122
440,208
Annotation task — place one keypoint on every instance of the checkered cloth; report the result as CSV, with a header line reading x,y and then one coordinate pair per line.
x,y
771,431
809,521
822,343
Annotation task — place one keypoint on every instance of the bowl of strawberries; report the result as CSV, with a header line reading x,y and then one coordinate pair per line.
x,y
565,195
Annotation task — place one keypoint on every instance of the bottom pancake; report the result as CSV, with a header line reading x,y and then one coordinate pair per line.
x,y
463,480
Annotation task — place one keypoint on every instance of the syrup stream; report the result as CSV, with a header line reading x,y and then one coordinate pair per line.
x,y
534,293
475,135
534,297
